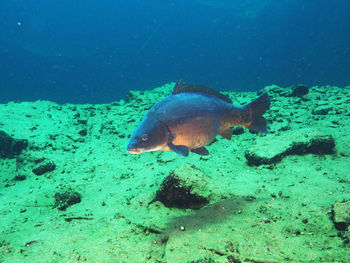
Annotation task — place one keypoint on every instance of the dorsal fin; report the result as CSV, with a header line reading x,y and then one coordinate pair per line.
x,y
181,87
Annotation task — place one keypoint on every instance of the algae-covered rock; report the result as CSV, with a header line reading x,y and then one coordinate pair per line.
x,y
322,110
341,215
185,187
299,90
10,147
274,90
19,177
44,167
66,199
271,149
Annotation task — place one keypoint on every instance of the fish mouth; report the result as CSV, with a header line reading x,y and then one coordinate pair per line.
x,y
132,150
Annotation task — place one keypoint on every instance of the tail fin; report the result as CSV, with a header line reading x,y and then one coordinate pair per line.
x,y
257,108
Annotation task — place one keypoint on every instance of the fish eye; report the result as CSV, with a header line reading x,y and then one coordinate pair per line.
x,y
144,137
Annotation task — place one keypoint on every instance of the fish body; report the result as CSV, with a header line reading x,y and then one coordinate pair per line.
x,y
191,117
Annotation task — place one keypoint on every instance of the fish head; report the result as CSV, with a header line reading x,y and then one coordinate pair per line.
x,y
150,135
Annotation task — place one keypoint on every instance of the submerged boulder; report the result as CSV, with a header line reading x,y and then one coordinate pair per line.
x,y
273,148
185,187
299,90
341,215
10,147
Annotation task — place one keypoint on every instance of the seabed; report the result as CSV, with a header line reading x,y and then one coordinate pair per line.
x,y
73,193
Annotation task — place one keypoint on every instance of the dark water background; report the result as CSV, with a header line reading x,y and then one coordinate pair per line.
x,y
86,51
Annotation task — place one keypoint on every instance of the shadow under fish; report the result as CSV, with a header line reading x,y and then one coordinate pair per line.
x,y
191,117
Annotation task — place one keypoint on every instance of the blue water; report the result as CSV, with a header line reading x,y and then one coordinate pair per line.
x,y
86,51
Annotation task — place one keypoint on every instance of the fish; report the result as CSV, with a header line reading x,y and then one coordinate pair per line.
x,y
191,117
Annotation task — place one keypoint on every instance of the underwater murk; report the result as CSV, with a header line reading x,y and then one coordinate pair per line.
x,y
183,172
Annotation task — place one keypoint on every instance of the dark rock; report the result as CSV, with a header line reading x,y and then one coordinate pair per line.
x,y
319,144
39,160
83,122
271,149
299,90
10,147
237,130
203,260
322,110
341,215
66,199
232,259
19,177
186,187
83,132
44,168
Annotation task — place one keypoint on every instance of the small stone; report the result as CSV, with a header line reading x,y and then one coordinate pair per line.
x,y
83,122
44,167
322,110
19,177
83,132
66,199
305,221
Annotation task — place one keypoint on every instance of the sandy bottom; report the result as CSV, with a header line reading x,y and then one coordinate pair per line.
x,y
269,213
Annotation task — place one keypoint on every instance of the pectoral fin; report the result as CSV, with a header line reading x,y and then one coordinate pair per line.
x,y
179,149
200,151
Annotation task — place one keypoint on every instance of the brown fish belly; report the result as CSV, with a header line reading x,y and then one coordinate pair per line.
x,y
194,132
